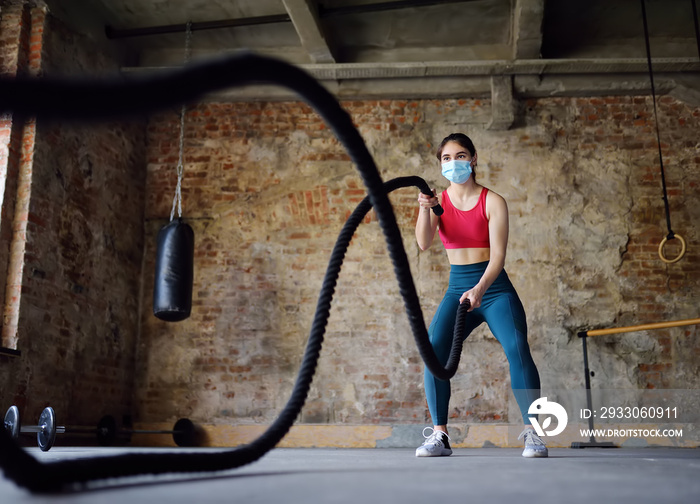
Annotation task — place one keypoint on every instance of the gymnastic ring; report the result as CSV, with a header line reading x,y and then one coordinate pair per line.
x,y
680,255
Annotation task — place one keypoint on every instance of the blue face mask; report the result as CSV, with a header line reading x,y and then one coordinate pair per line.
x,y
457,171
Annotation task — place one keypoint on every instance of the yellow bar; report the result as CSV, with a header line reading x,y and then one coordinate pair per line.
x,y
643,327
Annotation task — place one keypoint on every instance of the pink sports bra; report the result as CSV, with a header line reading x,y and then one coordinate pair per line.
x,y
464,228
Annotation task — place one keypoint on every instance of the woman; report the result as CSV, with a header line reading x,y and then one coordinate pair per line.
x,y
474,231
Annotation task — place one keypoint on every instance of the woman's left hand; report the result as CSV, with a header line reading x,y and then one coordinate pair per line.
x,y
474,296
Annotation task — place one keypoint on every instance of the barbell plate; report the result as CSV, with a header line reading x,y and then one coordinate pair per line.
x,y
12,422
107,431
47,436
185,433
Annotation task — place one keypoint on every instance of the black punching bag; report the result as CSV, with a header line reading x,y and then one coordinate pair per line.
x,y
172,290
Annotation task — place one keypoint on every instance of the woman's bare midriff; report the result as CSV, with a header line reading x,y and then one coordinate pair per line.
x,y
468,255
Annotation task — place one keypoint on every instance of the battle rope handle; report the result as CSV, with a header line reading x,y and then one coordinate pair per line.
x,y
662,255
93,99
424,188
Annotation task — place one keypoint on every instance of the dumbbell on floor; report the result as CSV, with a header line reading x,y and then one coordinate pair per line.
x,y
185,432
45,432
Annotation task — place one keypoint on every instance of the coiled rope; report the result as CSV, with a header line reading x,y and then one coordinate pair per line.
x,y
87,100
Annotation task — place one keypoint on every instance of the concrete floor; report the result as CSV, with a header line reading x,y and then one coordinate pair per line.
x,y
304,476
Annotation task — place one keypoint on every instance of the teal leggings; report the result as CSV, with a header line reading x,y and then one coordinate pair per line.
x,y
502,310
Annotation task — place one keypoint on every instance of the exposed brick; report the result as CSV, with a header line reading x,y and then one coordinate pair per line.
x,y
309,213
79,213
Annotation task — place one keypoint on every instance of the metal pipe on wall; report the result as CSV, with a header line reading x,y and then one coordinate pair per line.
x,y
641,327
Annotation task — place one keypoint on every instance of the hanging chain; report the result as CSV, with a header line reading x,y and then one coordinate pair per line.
x,y
177,200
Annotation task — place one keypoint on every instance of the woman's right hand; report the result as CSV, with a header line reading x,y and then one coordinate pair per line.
x,y
427,221
426,201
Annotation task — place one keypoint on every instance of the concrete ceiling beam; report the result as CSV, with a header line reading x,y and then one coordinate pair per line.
x,y
502,103
304,16
499,67
528,79
527,29
687,89
523,87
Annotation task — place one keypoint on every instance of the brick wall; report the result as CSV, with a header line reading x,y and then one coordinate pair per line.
x,y
267,188
80,228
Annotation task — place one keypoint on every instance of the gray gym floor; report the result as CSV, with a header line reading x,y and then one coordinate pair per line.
x,y
620,475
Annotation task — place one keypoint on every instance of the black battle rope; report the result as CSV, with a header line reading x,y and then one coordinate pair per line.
x,y
670,235
100,99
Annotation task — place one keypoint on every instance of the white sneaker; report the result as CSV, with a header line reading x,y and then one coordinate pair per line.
x,y
534,446
436,444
